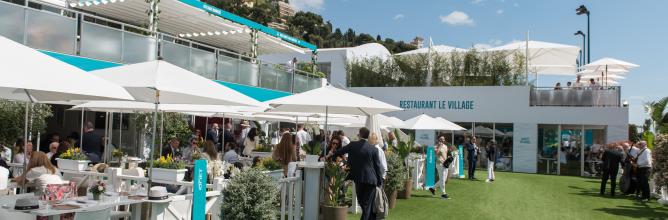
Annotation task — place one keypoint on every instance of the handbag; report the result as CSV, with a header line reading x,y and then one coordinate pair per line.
x,y
448,160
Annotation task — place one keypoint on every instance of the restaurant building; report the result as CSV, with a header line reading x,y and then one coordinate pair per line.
x,y
538,130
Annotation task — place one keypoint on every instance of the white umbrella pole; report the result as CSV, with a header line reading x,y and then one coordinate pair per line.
x,y
106,137
155,127
206,128
162,130
25,140
326,129
120,131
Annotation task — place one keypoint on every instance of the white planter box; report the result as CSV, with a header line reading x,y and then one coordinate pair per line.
x,y
312,159
74,165
170,175
276,174
664,195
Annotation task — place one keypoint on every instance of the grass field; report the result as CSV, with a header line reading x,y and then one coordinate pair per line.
x,y
525,196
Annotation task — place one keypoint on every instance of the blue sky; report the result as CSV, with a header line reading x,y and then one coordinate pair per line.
x,y
634,31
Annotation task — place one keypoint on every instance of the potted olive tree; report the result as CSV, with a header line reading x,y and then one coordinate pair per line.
x,y
168,169
335,207
250,195
395,179
73,159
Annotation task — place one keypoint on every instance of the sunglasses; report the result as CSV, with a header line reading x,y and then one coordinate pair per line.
x,y
333,143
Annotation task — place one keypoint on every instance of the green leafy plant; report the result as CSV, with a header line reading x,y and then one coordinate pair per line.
x,y
396,173
117,153
169,163
404,148
250,195
312,148
263,148
270,164
660,159
12,116
336,174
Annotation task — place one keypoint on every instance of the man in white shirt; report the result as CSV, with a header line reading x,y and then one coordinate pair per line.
x,y
644,163
344,140
303,137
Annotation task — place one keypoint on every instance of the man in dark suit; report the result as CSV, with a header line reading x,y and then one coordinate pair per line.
x,y
173,148
612,158
226,135
365,171
213,134
472,149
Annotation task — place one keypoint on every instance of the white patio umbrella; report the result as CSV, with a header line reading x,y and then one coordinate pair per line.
x,y
31,76
426,122
453,126
607,64
485,131
330,100
161,82
442,49
545,58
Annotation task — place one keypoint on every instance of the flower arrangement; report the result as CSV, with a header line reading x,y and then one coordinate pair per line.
x,y
117,153
169,163
230,170
196,155
270,164
98,188
73,153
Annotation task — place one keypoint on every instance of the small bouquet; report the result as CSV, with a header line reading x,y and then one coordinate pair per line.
x,y
230,170
73,153
117,153
98,188
196,155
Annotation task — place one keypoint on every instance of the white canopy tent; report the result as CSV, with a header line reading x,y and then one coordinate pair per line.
x,y
426,122
160,82
545,58
31,76
442,49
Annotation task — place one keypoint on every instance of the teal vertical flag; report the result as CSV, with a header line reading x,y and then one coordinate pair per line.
x,y
431,167
461,161
199,191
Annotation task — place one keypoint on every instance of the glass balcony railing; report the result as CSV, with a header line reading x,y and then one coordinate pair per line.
x,y
600,96
77,33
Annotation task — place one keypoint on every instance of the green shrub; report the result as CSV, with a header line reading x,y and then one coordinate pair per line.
x,y
270,164
250,195
336,179
312,148
396,173
660,159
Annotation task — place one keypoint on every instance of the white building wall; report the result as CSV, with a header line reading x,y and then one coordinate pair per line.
x,y
525,138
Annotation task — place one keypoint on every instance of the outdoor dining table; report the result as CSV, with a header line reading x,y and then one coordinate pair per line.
x,y
83,203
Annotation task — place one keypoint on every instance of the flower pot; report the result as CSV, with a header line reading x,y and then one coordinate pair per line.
x,y
276,174
334,212
392,199
74,165
312,159
170,175
408,190
96,196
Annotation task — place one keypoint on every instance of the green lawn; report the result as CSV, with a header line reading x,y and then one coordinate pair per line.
x,y
524,196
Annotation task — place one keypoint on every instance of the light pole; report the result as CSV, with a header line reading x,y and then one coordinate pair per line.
x,y
583,46
580,11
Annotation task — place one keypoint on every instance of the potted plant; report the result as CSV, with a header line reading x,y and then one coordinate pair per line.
x,y
97,189
660,166
312,152
250,195
168,169
271,167
73,159
395,179
403,149
335,207
117,154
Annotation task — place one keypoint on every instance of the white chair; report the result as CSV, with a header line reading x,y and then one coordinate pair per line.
x,y
102,214
4,178
9,201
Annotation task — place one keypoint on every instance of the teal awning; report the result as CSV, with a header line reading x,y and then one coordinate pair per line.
x,y
87,64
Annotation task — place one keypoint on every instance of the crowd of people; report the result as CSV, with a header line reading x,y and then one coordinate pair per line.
x,y
579,85
635,159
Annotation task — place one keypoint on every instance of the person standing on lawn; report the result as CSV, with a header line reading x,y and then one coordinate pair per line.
x,y
442,155
644,163
365,171
491,159
612,159
473,151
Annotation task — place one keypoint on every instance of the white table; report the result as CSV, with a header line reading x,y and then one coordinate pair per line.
x,y
105,202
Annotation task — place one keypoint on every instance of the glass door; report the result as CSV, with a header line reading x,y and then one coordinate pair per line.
x,y
571,151
548,148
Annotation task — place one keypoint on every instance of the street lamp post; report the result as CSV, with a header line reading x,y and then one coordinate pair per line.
x,y
580,11
583,46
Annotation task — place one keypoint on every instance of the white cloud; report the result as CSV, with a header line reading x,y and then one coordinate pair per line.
x,y
500,11
398,17
477,2
516,5
307,5
457,18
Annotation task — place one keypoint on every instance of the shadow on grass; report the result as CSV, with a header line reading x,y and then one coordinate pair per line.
x,y
640,211
594,192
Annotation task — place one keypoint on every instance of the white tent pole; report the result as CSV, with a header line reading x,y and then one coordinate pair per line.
x,y
526,58
120,130
326,129
155,127
103,157
206,128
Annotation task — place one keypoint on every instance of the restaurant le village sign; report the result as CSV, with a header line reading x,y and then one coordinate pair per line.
x,y
443,104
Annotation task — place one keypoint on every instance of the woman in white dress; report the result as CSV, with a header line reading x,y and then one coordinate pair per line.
x,y
250,143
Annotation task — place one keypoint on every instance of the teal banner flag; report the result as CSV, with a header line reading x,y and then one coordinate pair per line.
x,y
461,161
199,191
431,168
